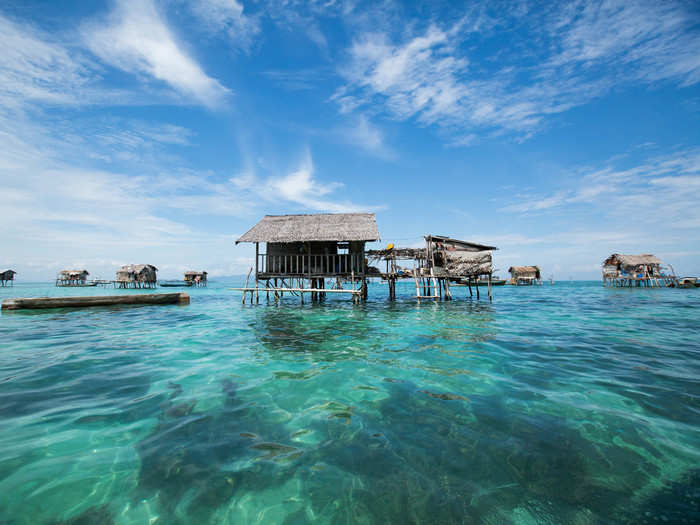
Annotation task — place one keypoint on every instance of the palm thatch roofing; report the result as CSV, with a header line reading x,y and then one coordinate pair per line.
x,y
194,273
468,263
73,273
632,261
524,270
7,275
142,272
314,227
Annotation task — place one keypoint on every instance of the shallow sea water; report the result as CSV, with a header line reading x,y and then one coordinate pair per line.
x,y
558,404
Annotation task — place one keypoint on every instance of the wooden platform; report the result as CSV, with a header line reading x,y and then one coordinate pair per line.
x,y
20,303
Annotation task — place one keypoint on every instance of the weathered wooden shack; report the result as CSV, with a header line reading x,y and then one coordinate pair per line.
x,y
525,275
637,270
7,277
442,261
301,249
136,276
195,278
72,278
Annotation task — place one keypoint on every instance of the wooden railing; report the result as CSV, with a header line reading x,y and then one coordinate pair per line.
x,y
331,264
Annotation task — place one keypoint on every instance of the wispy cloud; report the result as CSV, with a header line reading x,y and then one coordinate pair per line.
x,y
136,39
226,17
659,190
38,68
299,187
360,132
451,77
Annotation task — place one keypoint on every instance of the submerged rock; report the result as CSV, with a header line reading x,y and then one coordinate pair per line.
x,y
445,397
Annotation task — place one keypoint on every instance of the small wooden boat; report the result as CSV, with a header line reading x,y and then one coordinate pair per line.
x,y
688,282
494,282
77,285
175,284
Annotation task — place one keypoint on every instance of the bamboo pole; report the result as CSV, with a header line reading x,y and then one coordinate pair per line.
x,y
246,285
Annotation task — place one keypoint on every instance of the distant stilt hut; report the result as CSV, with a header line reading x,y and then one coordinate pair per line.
x,y
7,277
525,275
136,276
636,270
193,278
72,278
306,250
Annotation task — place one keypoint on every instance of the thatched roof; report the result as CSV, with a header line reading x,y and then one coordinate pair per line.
x,y
316,227
457,244
74,272
194,273
629,261
468,263
137,268
524,270
8,272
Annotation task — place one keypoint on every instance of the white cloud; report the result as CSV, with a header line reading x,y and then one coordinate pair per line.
x,y
136,39
300,188
36,68
226,16
362,133
660,191
452,78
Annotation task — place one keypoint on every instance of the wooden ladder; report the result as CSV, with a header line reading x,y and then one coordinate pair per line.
x,y
425,283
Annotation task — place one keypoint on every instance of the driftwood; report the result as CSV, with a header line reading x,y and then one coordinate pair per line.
x,y
104,300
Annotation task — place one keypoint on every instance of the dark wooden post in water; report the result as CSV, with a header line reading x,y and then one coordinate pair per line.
x,y
257,272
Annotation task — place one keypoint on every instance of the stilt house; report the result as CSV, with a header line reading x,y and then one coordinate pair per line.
x,y
443,260
193,278
636,270
312,247
525,275
8,276
136,276
72,277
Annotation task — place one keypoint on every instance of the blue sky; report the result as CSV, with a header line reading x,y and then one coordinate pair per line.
x,y
158,131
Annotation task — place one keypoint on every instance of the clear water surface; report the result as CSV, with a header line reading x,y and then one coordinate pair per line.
x,y
558,404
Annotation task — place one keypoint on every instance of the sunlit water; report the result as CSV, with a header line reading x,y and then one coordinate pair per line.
x,y
554,404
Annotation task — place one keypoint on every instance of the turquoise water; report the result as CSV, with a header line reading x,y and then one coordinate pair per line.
x,y
556,404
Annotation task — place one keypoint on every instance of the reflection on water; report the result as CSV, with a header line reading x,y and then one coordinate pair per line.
x,y
545,406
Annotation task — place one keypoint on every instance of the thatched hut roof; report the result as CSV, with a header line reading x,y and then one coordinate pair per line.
x,y
8,272
316,227
524,270
140,272
137,268
194,273
73,273
468,263
632,261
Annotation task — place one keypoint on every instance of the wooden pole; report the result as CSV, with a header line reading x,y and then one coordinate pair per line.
x,y
246,285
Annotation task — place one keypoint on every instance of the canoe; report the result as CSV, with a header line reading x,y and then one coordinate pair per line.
x,y
495,282
174,284
688,282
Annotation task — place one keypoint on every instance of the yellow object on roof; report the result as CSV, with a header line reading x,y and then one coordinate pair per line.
x,y
390,246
